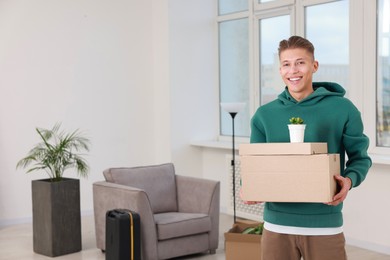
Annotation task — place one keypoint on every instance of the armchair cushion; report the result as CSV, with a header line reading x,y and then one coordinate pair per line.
x,y
176,224
162,197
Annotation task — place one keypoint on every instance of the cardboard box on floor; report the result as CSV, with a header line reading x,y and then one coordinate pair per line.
x,y
307,176
242,246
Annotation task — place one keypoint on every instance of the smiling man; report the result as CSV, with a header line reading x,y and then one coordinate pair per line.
x,y
310,230
297,68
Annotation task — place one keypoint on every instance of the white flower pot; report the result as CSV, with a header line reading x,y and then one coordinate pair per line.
x,y
297,133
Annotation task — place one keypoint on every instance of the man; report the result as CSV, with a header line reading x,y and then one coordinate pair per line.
x,y
310,230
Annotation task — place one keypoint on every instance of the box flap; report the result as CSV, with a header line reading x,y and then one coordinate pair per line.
x,y
283,148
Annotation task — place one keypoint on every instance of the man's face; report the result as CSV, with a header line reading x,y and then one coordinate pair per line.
x,y
296,69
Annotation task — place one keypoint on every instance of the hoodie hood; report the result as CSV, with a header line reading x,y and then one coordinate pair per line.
x,y
321,90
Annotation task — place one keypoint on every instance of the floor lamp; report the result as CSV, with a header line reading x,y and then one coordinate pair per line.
x,y
233,109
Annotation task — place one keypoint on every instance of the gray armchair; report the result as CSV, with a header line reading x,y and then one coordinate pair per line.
x,y
179,214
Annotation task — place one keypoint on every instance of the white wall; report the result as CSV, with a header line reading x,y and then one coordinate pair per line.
x,y
100,66
194,91
367,211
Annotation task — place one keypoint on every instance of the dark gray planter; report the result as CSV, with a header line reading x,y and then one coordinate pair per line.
x,y
56,217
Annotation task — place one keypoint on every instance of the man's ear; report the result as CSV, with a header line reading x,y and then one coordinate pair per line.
x,y
315,65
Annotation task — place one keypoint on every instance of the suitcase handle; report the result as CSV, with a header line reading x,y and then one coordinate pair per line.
x,y
131,236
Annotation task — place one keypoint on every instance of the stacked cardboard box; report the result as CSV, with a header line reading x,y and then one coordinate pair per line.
x,y
288,172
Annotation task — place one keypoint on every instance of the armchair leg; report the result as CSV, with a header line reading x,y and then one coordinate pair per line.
x,y
212,251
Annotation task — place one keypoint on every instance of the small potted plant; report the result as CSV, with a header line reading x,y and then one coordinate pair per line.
x,y
56,200
297,130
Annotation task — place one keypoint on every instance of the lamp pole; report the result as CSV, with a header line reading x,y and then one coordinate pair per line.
x,y
233,164
233,109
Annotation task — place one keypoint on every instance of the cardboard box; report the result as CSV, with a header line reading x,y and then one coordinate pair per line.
x,y
289,178
283,148
242,246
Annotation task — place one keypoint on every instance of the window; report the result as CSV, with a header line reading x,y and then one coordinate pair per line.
x,y
330,37
234,60
232,6
248,58
352,41
270,82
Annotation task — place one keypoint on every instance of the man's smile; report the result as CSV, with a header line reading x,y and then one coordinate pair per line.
x,y
295,79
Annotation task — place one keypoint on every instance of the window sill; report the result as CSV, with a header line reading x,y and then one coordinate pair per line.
x,y
380,159
225,145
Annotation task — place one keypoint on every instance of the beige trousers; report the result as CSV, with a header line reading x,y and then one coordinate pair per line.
x,y
275,246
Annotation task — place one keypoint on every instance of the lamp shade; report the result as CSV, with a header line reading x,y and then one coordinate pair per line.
x,y
233,107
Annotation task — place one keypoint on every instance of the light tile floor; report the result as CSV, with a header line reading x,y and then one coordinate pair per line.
x,y
16,244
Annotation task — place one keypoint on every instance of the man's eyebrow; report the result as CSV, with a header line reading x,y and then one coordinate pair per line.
x,y
299,59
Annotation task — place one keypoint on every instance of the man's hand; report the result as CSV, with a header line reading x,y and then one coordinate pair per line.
x,y
345,185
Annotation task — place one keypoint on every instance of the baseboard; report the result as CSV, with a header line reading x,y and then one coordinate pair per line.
x,y
12,222
368,246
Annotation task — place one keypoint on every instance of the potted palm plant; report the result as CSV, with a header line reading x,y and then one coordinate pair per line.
x,y
56,200
297,130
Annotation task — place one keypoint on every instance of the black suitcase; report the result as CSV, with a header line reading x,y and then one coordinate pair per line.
x,y
123,235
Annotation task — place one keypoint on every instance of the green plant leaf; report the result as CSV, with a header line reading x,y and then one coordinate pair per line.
x,y
249,230
296,121
257,230
57,152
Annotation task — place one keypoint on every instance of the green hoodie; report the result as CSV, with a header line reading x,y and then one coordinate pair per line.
x,y
330,118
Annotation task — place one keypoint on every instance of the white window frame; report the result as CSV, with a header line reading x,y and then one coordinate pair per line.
x,y
273,4
379,155
228,17
363,45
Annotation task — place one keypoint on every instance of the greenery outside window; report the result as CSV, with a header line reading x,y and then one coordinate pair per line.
x,y
383,74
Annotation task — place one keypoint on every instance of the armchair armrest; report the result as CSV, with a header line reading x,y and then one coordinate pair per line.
x,y
107,196
195,195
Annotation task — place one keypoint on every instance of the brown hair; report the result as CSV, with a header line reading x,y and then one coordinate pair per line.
x,y
295,42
